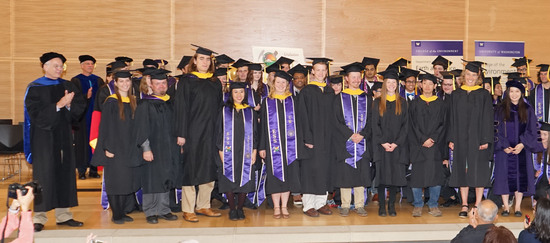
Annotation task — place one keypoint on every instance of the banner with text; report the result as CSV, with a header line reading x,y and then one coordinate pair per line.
x,y
268,55
425,51
499,56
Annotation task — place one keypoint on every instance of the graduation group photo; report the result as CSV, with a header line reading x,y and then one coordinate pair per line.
x,y
174,123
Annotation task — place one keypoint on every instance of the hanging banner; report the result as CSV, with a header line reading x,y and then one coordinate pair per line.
x,y
499,55
425,51
268,55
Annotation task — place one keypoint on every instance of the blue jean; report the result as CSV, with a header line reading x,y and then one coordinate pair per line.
x,y
434,197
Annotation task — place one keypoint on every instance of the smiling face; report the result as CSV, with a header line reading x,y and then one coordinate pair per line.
x,y
159,86
53,68
87,67
447,86
238,95
391,86
470,78
319,71
123,85
299,80
410,82
281,85
353,80
515,94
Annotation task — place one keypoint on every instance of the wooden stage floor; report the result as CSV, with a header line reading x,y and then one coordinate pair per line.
x,y
259,224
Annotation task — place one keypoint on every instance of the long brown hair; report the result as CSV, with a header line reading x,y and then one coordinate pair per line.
x,y
193,66
250,79
507,104
133,102
382,103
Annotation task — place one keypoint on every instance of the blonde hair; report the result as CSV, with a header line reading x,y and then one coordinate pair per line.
x,y
272,88
479,80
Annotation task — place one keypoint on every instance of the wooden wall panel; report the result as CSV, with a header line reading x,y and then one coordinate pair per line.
x,y
233,28
25,72
5,29
512,21
384,29
5,91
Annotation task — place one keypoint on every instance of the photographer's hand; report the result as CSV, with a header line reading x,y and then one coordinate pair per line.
x,y
25,200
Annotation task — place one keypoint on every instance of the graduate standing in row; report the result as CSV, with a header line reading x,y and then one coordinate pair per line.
x,y
280,141
352,170
390,121
542,184
471,136
540,95
428,119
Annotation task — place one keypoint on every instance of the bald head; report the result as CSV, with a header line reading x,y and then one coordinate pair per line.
x,y
487,211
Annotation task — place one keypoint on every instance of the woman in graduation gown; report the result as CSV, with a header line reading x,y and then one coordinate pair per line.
x,y
542,174
471,136
114,149
352,141
255,82
390,122
197,105
237,142
515,141
428,116
279,141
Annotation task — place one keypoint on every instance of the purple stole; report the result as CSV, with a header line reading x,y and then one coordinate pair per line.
x,y
257,197
539,103
251,99
274,127
228,162
356,150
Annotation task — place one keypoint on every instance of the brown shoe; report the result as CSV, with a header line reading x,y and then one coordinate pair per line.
x,y
375,198
312,213
325,210
208,212
190,217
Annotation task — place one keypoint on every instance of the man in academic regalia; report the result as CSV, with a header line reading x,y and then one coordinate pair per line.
x,y
409,76
283,63
51,103
540,95
440,64
522,66
242,70
316,116
88,84
299,79
370,77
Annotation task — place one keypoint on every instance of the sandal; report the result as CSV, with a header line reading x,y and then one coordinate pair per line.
x,y
463,214
285,215
276,212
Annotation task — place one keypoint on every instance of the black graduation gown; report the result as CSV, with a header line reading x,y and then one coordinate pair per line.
x,y
390,128
345,176
292,171
197,105
532,98
315,116
427,120
117,137
224,184
155,122
51,144
471,125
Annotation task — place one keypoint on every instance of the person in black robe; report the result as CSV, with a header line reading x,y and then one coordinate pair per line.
x,y
197,104
352,142
279,144
315,116
540,94
88,84
542,183
236,140
428,116
159,151
515,142
471,136
51,104
390,126
115,150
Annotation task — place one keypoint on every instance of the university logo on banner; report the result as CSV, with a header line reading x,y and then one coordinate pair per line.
x,y
423,53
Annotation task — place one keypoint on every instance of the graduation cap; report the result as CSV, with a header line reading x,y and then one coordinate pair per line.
x,y
146,70
123,59
108,67
237,85
184,61
544,126
319,60
203,51
220,72
283,60
516,84
406,72
394,68
336,79
240,63
159,74
440,60
298,69
523,61
376,85
513,75
283,75
456,72
401,62
353,67
117,65
473,67
123,74
254,66
543,67
51,55
272,68
429,76
83,58
150,62
391,73
224,59
370,61
493,81
447,74
161,61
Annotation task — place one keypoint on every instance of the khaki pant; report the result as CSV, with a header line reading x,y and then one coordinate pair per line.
x,y
61,215
191,200
359,196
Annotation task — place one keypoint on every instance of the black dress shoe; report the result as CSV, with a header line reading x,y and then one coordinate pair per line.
x,y
72,223
382,212
118,221
152,219
82,176
169,217
233,215
127,218
517,214
505,213
448,203
240,214
94,175
391,211
38,227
